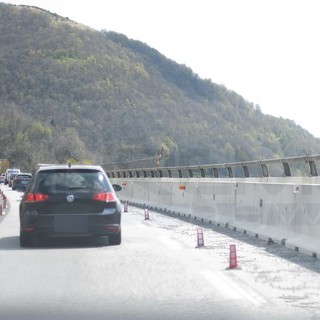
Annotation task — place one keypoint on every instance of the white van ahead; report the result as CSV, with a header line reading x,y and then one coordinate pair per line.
x,y
9,172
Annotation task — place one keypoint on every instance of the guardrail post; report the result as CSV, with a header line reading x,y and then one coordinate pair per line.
x,y
265,172
286,168
313,168
229,171
245,171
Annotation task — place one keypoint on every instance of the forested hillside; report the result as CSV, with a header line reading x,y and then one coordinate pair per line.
x,y
71,93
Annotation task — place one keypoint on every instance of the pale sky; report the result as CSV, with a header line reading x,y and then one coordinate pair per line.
x,y
268,51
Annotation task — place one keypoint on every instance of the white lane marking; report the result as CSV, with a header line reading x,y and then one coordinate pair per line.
x,y
174,245
230,289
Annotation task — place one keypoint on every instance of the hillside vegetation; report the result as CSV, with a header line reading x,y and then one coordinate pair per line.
x,y
71,93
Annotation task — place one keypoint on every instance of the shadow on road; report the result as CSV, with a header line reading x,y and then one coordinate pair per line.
x,y
13,243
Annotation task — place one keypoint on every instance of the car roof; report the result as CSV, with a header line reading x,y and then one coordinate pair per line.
x,y
67,166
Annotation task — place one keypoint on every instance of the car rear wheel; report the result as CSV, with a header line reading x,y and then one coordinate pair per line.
x,y
115,239
26,240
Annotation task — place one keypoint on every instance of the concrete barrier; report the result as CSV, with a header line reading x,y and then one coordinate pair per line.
x,y
283,210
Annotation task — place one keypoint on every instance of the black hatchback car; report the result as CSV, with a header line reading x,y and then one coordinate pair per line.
x,y
20,181
63,201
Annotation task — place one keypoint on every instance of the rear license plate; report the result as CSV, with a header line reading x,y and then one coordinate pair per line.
x,y
71,224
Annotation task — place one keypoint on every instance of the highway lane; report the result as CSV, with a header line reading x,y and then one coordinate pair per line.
x,y
156,273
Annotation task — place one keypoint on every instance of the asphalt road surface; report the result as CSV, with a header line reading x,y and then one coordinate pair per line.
x,y
158,272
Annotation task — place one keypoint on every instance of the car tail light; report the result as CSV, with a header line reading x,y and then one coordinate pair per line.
x,y
105,197
29,229
36,197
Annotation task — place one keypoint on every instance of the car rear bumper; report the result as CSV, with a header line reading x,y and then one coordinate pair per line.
x,y
72,225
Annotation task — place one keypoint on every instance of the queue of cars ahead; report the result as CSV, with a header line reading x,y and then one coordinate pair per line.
x,y
17,181
70,201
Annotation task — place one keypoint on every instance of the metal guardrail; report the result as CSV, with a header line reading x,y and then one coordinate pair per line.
x,y
138,163
281,167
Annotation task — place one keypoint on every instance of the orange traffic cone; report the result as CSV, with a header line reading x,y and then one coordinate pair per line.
x,y
4,201
233,257
146,214
200,240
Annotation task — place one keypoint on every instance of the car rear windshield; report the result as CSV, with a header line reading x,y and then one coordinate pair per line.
x,y
23,176
62,180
